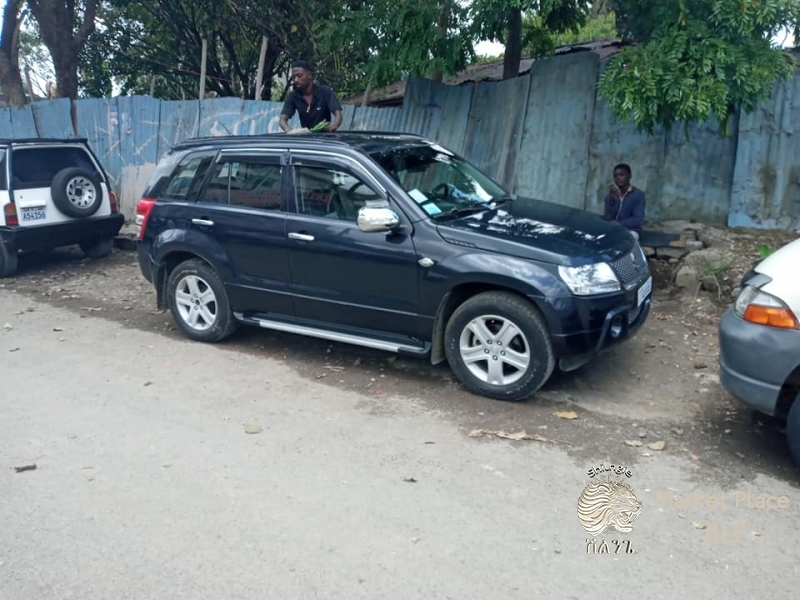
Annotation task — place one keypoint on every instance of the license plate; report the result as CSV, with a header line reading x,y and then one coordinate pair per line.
x,y
33,214
644,291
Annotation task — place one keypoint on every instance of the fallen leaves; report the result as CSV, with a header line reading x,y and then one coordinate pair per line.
x,y
24,468
252,428
660,445
569,415
518,436
634,443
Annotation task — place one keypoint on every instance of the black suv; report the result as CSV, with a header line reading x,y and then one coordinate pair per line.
x,y
387,241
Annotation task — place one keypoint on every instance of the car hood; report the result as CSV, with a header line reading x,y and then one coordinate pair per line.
x,y
780,267
540,230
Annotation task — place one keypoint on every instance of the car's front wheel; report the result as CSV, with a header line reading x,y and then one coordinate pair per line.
x,y
198,302
498,346
793,430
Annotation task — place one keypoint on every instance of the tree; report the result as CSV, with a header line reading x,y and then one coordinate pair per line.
x,y
65,25
10,77
383,41
501,20
538,41
144,39
696,61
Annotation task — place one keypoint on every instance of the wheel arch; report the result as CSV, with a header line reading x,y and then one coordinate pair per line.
x,y
459,294
168,262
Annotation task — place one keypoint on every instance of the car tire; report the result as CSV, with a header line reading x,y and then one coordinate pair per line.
x,y
76,192
97,248
198,302
474,354
793,430
9,260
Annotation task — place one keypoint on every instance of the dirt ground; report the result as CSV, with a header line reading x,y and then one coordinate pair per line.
x,y
660,386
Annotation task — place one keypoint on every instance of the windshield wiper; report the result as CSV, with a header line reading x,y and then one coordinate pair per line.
x,y
462,211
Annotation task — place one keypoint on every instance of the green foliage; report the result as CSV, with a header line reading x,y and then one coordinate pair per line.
x,y
696,61
383,41
540,41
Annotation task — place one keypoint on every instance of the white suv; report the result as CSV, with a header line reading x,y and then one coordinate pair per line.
x,y
54,192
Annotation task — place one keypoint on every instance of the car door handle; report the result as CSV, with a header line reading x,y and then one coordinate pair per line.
x,y
205,222
301,236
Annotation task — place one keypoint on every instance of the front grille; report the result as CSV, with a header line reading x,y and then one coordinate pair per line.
x,y
627,267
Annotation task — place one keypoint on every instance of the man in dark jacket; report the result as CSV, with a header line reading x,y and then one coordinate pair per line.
x,y
625,203
315,103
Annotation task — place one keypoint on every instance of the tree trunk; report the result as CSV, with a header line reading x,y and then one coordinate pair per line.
x,y
441,30
56,20
10,76
513,53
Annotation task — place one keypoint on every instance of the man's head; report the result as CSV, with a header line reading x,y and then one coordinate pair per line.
x,y
622,176
302,75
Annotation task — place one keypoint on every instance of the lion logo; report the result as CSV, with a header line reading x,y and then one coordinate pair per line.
x,y
608,506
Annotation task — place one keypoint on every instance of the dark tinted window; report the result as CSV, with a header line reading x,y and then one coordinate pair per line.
x,y
36,167
185,180
252,182
3,165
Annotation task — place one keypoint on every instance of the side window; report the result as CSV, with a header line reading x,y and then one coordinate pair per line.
x,y
331,193
3,165
187,178
255,183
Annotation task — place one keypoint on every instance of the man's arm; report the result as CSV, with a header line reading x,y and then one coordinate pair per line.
x,y
286,114
336,110
636,220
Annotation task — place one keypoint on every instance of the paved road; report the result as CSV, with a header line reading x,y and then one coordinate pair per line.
x,y
147,486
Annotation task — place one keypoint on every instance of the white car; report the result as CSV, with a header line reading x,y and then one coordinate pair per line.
x,y
54,192
759,341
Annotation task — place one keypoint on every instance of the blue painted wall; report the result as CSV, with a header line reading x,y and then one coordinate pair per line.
x,y
544,135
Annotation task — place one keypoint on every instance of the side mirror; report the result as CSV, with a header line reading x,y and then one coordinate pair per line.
x,y
377,218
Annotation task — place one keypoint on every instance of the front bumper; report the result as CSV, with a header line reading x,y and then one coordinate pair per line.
x,y
61,234
584,326
756,360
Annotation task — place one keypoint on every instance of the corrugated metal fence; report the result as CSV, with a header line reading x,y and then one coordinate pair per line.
x,y
542,134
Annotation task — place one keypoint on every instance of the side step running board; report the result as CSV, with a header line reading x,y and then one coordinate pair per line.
x,y
336,336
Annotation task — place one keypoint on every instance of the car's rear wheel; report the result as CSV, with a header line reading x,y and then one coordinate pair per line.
x,y
198,302
793,430
498,346
97,248
9,259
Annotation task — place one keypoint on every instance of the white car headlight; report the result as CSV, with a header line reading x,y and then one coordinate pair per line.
x,y
597,278
761,308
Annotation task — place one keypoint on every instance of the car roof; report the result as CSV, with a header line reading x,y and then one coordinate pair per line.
x,y
365,141
15,141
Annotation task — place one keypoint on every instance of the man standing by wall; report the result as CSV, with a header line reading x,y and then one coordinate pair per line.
x,y
625,203
314,103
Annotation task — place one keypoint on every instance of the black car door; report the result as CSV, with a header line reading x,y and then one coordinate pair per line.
x,y
243,206
340,274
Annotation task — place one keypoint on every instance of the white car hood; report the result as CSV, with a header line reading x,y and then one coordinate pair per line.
x,y
782,267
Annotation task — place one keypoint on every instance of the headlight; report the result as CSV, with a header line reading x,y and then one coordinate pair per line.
x,y
598,278
756,306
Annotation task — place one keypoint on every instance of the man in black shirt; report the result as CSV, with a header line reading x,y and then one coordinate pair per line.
x,y
313,102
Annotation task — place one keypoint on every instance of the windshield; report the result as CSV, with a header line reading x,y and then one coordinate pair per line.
x,y
440,182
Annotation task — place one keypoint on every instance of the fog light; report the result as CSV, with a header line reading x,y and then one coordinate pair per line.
x,y
616,326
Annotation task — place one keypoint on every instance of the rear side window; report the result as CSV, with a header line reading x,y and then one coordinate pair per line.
x,y
254,182
3,168
179,177
36,167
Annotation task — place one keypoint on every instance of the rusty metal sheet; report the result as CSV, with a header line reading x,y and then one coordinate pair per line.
x,y
553,160
766,183
492,143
